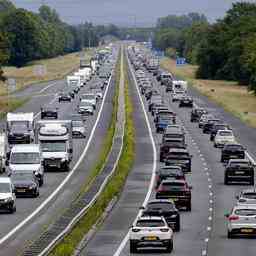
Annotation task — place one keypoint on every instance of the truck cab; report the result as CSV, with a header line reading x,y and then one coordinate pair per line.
x,y
55,139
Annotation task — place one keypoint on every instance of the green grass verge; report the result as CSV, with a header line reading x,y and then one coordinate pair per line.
x,y
112,189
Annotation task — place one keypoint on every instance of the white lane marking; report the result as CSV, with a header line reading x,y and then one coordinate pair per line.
x,y
55,192
50,85
206,240
209,229
151,186
204,253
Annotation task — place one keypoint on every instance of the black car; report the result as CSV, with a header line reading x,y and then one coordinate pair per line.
x,y
232,151
19,133
167,172
177,190
72,94
186,102
25,184
165,208
239,171
196,114
180,157
149,92
64,97
49,113
216,127
208,126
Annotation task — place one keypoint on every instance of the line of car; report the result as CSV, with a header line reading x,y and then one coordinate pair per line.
x,y
31,147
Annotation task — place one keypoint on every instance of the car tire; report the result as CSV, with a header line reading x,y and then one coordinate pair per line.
x,y
226,181
188,207
230,235
252,181
169,247
177,225
41,182
12,210
133,248
222,160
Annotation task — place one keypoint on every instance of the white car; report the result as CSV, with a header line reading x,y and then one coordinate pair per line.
x,y
150,232
78,129
7,195
247,197
85,108
223,137
241,221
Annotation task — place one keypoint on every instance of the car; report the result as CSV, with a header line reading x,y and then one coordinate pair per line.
x,y
25,184
247,197
72,94
64,97
177,190
149,92
85,108
157,108
186,101
223,137
49,113
155,100
241,221
203,120
180,157
216,127
150,231
196,114
232,151
98,93
239,171
78,129
208,126
177,96
166,172
166,78
7,195
166,209
163,119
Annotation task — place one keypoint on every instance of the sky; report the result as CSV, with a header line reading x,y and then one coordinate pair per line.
x,y
128,12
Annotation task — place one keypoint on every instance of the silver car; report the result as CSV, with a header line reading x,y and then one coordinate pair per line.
x,y
78,129
247,197
241,221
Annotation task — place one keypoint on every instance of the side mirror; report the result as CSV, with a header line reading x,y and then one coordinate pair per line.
x,y
226,215
191,156
6,162
190,187
70,150
9,174
142,208
237,197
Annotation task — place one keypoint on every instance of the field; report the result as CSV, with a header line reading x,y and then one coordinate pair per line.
x,y
232,97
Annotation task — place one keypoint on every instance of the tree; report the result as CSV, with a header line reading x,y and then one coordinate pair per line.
x,y
4,53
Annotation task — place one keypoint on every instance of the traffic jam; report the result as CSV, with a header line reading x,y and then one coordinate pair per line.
x,y
161,218
34,144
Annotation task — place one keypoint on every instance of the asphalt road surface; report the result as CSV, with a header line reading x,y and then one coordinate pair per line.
x,y
25,206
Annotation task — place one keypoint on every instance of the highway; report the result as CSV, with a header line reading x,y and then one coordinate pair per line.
x,y
203,230
26,207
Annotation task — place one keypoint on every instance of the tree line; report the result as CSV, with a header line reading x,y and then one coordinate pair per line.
x,y
223,50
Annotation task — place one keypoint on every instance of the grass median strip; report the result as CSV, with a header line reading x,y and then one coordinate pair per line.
x,y
112,189
229,95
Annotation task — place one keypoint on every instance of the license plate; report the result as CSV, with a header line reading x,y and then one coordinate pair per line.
x,y
247,230
175,199
21,190
151,238
239,172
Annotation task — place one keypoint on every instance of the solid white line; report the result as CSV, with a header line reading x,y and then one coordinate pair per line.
x,y
151,186
50,85
55,192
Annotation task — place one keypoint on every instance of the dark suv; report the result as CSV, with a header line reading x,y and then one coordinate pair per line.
x,y
239,171
165,208
186,102
216,128
49,113
196,114
207,128
232,151
177,190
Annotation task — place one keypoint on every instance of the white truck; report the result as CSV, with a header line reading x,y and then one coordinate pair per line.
x,y
20,128
4,150
179,85
87,72
74,83
55,139
82,76
26,159
95,65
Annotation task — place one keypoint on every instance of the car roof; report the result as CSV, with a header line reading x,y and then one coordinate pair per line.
x,y
174,180
167,201
23,148
245,206
5,180
180,150
150,218
239,160
249,190
170,167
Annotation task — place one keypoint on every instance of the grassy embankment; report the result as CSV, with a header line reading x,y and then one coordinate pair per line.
x,y
56,68
113,188
231,96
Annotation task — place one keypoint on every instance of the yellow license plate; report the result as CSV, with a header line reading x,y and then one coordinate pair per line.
x,y
247,230
151,238
21,190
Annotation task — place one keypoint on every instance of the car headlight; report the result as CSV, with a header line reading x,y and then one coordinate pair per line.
x,y
8,199
64,159
33,186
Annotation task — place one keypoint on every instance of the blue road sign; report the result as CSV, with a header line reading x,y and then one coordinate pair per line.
x,y
181,61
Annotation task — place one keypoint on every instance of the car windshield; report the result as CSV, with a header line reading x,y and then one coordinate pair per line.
x,y
88,97
150,223
156,206
19,128
173,186
78,124
25,158
225,133
245,212
5,188
178,154
234,147
85,104
22,177
171,171
53,146
250,195
241,164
